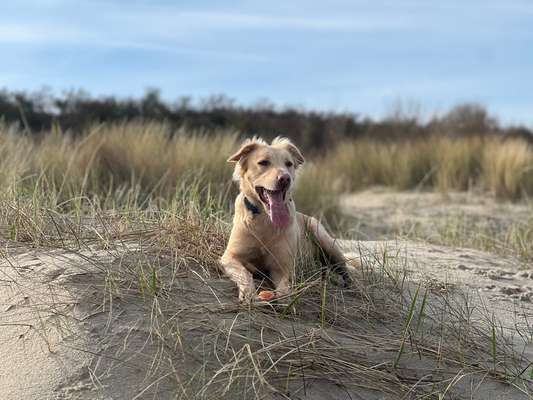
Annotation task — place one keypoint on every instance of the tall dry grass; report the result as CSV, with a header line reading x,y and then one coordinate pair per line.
x,y
508,169
142,164
147,156
134,165
503,168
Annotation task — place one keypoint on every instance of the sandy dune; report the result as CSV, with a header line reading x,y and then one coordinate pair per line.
x,y
58,341
43,346
493,281
381,213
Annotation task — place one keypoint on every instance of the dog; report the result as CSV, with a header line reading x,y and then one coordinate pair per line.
x,y
267,232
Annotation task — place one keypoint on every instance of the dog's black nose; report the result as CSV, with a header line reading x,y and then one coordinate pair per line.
x,y
284,181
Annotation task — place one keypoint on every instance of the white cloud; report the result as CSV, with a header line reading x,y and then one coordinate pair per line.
x,y
39,33
151,21
216,21
167,48
165,29
169,28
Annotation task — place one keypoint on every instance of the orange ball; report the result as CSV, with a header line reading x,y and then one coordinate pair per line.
x,y
266,295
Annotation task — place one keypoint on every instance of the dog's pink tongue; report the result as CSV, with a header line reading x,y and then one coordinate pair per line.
x,y
279,213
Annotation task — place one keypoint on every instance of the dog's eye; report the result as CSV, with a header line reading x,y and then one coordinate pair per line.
x,y
264,163
288,164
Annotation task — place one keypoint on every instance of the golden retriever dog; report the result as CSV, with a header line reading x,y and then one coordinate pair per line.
x,y
267,232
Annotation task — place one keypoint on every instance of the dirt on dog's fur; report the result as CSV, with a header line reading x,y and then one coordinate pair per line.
x,y
267,231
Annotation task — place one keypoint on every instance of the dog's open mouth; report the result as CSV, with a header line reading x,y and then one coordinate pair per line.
x,y
274,201
270,196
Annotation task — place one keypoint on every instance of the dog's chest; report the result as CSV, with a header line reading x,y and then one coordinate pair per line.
x,y
276,242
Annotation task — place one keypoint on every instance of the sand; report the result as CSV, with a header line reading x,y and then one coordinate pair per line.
x,y
42,344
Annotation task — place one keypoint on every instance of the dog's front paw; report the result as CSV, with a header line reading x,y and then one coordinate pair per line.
x,y
246,294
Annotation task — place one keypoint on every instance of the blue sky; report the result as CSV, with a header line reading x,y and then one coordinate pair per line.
x,y
343,55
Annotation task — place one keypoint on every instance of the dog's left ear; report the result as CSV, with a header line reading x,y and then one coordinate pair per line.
x,y
282,142
296,154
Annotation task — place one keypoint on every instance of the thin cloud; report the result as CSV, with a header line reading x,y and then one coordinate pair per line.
x,y
48,35
36,33
238,21
146,46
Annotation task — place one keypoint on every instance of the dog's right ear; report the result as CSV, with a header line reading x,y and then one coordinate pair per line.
x,y
239,158
247,147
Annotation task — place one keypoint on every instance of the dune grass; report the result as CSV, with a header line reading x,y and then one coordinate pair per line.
x,y
133,165
139,166
152,161
514,238
144,157
500,168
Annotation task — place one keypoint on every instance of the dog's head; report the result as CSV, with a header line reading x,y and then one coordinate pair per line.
x,y
266,173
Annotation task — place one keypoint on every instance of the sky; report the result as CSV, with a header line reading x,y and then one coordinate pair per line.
x,y
365,57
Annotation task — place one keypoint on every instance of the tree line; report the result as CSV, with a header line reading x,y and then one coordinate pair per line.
x,y
74,111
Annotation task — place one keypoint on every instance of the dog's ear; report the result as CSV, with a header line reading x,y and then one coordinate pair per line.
x,y
291,148
240,156
296,154
247,147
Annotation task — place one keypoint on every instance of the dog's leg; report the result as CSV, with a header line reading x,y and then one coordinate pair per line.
x,y
329,249
238,273
280,280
